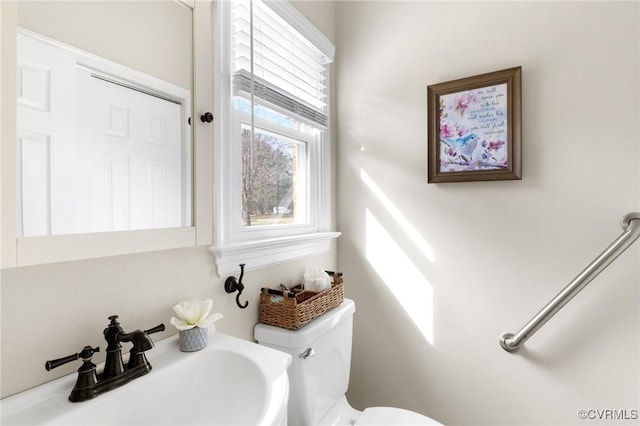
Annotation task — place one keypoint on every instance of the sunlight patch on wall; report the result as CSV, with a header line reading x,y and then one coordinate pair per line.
x,y
411,289
397,215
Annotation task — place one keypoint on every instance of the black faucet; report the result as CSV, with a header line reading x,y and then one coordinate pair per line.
x,y
115,374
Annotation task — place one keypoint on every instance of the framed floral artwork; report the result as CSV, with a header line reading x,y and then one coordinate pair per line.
x,y
475,128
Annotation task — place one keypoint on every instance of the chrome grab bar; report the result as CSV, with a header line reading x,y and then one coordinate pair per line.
x,y
630,223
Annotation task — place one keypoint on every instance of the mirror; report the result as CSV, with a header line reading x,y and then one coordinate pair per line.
x,y
104,95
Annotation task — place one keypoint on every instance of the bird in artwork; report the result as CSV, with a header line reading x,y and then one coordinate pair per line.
x,y
462,141
463,146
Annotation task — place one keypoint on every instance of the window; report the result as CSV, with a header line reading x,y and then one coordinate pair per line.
x,y
275,171
272,148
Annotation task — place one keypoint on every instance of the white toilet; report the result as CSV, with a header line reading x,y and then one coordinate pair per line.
x,y
319,374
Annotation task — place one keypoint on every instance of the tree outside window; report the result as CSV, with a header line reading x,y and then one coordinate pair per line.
x,y
270,178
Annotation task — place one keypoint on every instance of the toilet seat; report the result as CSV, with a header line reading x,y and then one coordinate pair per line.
x,y
388,416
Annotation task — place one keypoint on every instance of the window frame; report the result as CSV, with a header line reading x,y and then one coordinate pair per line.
x,y
245,233
265,245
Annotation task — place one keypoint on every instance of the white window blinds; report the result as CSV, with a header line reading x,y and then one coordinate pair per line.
x,y
276,63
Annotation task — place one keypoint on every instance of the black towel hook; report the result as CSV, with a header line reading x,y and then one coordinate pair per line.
x,y
231,285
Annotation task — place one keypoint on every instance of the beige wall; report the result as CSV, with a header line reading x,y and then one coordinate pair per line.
x,y
490,254
49,311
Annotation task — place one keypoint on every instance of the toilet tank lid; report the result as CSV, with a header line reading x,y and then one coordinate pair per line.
x,y
310,332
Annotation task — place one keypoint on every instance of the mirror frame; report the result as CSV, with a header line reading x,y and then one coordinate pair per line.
x,y
20,251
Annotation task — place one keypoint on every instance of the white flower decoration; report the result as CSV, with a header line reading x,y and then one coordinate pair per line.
x,y
194,313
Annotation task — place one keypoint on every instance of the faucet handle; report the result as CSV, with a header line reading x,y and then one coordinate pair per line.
x,y
86,353
141,343
155,329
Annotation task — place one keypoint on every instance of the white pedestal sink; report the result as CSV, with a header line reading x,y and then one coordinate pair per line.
x,y
230,382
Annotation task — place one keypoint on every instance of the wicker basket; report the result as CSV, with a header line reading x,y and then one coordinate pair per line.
x,y
285,310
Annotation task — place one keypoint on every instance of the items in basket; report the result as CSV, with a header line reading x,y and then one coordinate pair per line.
x,y
293,308
316,279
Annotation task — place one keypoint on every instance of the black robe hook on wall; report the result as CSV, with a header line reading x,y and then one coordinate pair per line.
x,y
231,285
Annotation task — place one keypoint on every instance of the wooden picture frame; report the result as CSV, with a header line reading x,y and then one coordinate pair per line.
x,y
475,128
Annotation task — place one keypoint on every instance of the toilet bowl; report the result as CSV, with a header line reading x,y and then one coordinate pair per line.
x,y
319,374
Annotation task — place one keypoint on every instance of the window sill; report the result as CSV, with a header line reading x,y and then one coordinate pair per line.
x,y
263,253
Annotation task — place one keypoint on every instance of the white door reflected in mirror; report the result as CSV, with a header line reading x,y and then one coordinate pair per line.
x,y
101,147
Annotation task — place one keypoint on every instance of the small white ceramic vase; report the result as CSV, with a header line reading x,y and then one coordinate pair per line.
x,y
193,339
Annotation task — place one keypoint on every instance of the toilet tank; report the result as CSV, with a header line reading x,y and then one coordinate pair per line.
x,y
320,379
